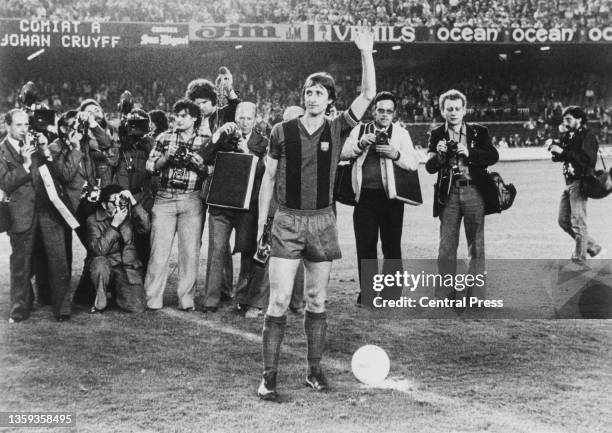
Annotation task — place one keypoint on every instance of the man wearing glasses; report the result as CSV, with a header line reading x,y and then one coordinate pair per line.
x,y
375,213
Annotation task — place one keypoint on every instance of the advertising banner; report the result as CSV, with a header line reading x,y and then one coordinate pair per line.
x,y
90,35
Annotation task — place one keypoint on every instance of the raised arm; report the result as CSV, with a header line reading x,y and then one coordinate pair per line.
x,y
364,40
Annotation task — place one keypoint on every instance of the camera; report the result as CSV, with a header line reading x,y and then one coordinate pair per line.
x,y
121,202
40,120
263,245
82,126
556,157
137,127
233,140
180,158
382,139
91,192
179,179
451,146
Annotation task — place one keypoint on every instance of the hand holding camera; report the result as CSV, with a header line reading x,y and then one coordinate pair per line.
x,y
128,197
366,140
462,150
172,149
263,245
555,148
195,162
119,216
441,147
26,152
386,151
229,128
74,139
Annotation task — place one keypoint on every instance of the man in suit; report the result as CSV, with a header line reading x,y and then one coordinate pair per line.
x,y
33,217
233,137
460,153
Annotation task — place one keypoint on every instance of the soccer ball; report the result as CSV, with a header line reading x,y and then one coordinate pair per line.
x,y
370,364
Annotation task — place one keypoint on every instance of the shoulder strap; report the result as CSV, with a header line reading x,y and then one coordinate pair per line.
x,y
361,130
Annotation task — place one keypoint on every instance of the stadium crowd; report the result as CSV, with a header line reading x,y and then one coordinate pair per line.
x,y
490,100
458,13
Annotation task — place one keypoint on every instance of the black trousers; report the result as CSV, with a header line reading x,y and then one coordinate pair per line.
x,y
375,214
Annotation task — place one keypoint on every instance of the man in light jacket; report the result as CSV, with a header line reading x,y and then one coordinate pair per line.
x,y
375,147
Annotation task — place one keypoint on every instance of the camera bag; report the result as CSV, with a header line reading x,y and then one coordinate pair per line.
x,y
598,184
343,184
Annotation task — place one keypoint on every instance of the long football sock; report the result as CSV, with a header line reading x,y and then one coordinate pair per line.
x,y
315,327
273,333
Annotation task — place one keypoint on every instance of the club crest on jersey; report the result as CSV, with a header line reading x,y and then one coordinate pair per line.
x,y
325,146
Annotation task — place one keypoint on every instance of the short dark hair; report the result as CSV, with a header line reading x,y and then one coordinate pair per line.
x,y
107,191
8,117
384,96
63,121
201,88
188,105
160,120
576,112
323,79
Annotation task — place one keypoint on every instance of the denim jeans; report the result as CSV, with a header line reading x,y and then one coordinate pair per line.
x,y
182,214
463,202
572,219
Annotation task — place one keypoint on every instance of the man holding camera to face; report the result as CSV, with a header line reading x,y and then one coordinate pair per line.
x,y
233,137
460,153
370,144
33,217
131,173
577,150
178,209
114,264
101,138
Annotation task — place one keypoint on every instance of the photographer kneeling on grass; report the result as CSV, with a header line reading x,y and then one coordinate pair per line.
x,y
115,265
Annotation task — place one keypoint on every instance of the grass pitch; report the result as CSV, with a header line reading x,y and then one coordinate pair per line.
x,y
171,371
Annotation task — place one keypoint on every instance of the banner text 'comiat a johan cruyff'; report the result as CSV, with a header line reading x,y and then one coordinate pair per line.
x,y
90,35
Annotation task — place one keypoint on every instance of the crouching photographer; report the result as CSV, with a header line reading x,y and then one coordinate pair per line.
x,y
115,266
577,149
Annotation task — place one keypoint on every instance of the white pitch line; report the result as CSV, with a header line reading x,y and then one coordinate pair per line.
x,y
495,416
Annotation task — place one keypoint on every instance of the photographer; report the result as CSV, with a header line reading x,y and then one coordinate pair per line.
x,y
460,153
114,264
210,98
33,217
233,137
131,173
74,169
370,145
178,208
101,140
577,150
